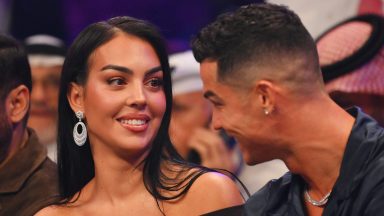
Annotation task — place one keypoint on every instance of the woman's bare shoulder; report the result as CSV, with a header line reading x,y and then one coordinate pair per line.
x,y
53,210
212,191
216,183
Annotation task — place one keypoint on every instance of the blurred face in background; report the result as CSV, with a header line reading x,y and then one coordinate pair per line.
x,y
44,102
189,111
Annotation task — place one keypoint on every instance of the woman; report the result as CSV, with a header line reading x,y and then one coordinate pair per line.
x,y
116,79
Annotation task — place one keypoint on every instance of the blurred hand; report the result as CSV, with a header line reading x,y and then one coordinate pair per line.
x,y
212,149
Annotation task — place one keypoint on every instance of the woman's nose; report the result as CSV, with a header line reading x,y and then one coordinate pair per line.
x,y
137,97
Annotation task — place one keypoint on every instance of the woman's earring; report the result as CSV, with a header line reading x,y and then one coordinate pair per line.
x,y
81,137
266,112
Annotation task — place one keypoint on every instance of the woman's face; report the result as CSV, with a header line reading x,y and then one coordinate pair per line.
x,y
123,99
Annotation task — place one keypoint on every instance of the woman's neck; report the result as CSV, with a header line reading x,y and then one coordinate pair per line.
x,y
117,177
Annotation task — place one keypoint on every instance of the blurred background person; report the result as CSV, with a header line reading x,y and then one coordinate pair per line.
x,y
28,179
330,11
46,57
196,140
191,117
352,61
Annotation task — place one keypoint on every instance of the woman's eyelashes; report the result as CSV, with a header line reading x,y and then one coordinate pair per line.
x,y
116,81
155,82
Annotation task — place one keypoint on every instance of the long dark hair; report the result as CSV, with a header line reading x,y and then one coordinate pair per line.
x,y
76,166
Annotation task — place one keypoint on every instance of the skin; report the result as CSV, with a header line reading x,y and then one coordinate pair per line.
x,y
226,103
16,106
301,128
44,102
189,111
124,86
190,128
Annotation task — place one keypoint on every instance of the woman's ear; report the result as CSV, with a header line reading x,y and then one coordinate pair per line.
x,y
76,97
17,103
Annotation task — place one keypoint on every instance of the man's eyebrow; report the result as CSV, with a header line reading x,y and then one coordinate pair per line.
x,y
209,94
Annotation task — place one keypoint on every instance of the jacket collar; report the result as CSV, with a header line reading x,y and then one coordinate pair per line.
x,y
359,152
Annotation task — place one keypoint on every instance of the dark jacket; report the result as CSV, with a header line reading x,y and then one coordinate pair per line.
x,y
359,189
28,181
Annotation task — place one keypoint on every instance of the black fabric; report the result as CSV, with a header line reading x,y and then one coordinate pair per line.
x,y
278,197
231,211
359,189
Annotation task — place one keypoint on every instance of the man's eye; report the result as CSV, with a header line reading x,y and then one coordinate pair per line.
x,y
116,81
216,104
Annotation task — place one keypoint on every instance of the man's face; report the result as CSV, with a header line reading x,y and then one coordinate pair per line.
x,y
5,132
238,112
44,101
189,112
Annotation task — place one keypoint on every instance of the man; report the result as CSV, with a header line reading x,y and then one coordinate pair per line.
x,y
193,136
28,179
46,56
260,69
351,57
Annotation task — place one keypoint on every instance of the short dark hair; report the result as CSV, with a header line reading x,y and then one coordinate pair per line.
x,y
253,34
14,67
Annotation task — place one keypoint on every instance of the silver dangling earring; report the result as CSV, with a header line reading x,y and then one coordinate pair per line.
x,y
80,138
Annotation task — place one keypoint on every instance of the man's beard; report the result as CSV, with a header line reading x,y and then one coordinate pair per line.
x,y
5,134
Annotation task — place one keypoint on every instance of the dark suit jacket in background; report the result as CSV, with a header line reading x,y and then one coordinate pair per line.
x,y
28,181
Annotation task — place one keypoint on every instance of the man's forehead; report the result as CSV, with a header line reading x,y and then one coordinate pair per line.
x,y
209,63
208,71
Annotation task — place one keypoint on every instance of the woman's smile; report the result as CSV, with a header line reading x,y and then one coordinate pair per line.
x,y
135,122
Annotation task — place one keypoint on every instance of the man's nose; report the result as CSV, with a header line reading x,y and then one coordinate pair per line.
x,y
216,121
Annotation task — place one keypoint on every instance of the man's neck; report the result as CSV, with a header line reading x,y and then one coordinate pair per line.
x,y
318,152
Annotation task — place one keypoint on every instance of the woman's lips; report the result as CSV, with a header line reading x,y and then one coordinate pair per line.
x,y
137,123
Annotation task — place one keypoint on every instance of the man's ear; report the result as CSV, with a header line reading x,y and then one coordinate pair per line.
x,y
75,97
17,103
266,95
